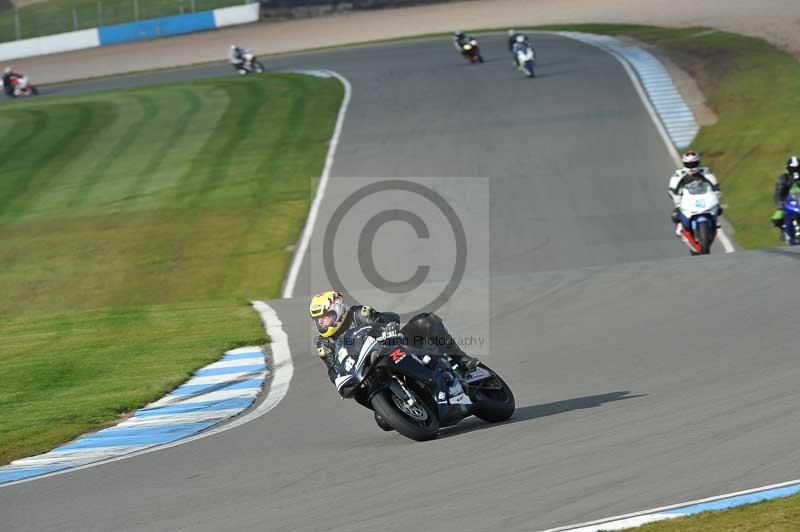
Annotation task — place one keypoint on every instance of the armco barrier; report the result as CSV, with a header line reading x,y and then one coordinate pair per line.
x,y
156,27
52,44
133,31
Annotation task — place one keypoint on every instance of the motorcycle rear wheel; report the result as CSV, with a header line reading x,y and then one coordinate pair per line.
x,y
495,405
422,424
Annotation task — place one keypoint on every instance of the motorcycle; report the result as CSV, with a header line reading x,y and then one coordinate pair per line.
x,y
251,64
415,391
21,86
791,217
526,60
699,210
472,52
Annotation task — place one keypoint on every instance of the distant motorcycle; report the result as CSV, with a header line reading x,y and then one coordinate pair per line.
x,y
471,51
526,59
251,64
791,217
415,391
699,210
21,86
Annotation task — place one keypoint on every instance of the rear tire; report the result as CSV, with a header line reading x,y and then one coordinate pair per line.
x,y
495,405
34,91
417,429
703,238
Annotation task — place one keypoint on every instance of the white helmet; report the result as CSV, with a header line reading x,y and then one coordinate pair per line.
x,y
7,70
520,38
511,33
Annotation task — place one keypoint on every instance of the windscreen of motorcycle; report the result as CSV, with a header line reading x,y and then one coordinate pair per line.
x,y
698,197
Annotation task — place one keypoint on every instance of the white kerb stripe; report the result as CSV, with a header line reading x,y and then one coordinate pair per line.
x,y
313,212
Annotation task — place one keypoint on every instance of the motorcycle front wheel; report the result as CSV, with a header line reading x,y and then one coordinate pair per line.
x,y
494,401
418,422
703,238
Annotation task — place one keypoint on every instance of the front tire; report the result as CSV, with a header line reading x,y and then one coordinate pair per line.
x,y
494,405
34,91
259,67
419,424
703,238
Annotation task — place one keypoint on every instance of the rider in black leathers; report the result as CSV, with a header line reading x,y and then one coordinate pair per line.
x,y
424,329
783,185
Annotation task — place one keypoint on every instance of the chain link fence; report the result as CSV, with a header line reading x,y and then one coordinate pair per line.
x,y
48,18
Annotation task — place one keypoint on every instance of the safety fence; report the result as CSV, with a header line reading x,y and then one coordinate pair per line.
x,y
54,17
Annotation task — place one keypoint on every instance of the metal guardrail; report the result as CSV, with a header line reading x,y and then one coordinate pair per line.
x,y
47,18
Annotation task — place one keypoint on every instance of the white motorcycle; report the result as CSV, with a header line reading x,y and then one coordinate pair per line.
x,y
699,210
21,86
526,60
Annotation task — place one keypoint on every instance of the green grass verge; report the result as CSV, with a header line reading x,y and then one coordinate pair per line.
x,y
134,227
779,515
61,16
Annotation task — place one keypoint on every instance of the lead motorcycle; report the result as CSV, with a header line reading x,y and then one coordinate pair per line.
x,y
699,210
413,390
526,59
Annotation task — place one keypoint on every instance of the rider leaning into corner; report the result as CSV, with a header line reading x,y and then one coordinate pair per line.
x,y
8,76
784,183
332,319
691,171
460,39
236,57
516,38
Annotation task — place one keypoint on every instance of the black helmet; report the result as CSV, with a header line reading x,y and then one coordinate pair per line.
x,y
793,167
458,34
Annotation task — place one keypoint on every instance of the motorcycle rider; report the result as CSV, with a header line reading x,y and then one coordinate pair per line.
x,y
520,44
332,318
459,40
513,37
783,184
236,57
691,171
8,80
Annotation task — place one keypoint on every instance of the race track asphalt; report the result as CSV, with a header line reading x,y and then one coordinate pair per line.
x,y
643,377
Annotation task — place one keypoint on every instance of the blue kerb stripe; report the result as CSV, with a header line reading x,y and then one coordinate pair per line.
x,y
736,501
239,356
189,389
195,407
10,475
143,438
157,27
127,432
224,371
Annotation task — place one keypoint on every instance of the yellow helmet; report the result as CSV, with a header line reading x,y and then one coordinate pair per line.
x,y
327,310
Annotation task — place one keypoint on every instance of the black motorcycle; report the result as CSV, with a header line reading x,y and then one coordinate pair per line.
x,y
413,390
471,51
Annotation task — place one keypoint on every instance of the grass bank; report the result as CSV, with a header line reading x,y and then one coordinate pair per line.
x,y
779,515
754,89
134,227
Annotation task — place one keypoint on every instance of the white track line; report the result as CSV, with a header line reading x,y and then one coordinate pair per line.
x,y
633,518
305,238
723,238
282,371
